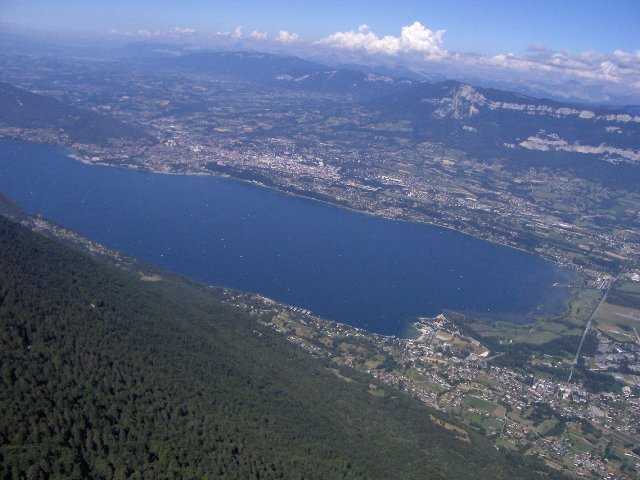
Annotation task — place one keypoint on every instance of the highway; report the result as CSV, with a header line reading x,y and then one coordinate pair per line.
x,y
586,329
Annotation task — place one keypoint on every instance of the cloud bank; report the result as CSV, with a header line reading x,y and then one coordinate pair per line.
x,y
413,38
619,67
258,35
588,76
283,36
287,37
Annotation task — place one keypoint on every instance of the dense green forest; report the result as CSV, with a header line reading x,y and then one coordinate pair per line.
x,y
105,376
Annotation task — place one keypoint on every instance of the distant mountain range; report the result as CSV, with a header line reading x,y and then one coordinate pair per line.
x,y
434,106
508,119
482,121
346,78
286,72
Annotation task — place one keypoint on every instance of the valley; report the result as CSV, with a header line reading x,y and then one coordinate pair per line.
x,y
491,164
527,355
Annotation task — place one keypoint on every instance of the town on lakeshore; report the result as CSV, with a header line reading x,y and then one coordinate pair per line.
x,y
333,145
557,178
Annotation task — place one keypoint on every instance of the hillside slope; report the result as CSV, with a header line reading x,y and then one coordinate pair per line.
x,y
103,375
23,109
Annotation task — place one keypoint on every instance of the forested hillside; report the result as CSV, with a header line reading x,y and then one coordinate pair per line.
x,y
23,109
103,375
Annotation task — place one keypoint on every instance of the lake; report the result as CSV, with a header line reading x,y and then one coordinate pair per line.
x,y
357,269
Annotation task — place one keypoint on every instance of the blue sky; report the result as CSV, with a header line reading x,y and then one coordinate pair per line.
x,y
488,26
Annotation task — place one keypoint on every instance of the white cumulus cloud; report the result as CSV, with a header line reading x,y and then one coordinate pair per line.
x,y
619,67
237,33
586,75
174,32
414,38
287,37
257,35
183,30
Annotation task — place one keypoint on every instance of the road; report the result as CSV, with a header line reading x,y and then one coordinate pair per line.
x,y
586,329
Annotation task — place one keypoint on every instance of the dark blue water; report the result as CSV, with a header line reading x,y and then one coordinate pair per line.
x,y
361,270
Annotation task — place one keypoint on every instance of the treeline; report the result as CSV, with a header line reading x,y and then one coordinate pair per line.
x,y
105,376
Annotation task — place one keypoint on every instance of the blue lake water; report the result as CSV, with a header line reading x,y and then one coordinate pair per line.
x,y
357,269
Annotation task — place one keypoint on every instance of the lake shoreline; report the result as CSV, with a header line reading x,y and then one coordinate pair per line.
x,y
452,270
69,151
209,173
